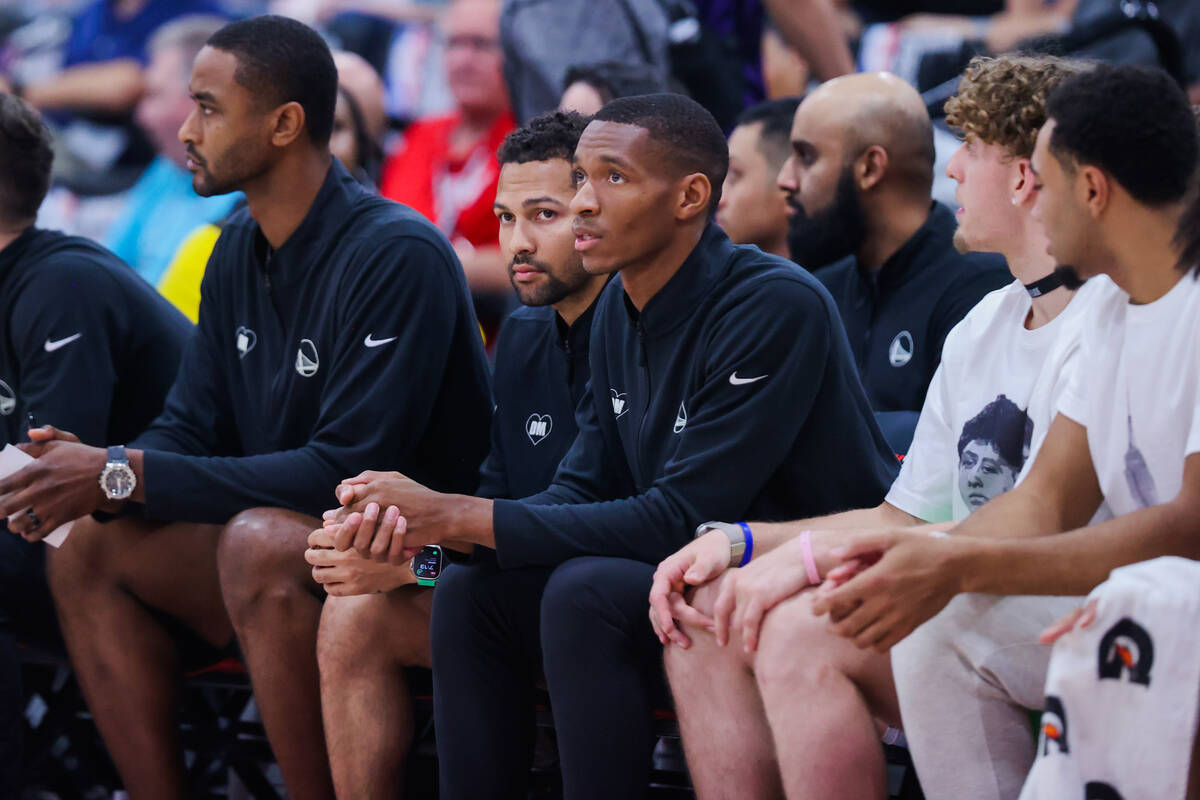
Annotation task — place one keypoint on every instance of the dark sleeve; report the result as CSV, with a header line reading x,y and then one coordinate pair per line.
x,y
493,474
374,409
197,419
736,438
987,275
65,329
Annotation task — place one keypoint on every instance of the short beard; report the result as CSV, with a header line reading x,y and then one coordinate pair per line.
x,y
552,290
836,231
1069,277
240,167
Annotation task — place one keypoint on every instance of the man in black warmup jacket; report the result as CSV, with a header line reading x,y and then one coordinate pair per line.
x,y
722,382
335,335
541,375
85,345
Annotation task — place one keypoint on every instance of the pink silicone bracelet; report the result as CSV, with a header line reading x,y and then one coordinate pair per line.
x,y
810,562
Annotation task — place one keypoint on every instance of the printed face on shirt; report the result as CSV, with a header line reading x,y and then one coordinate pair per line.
x,y
752,209
228,133
992,449
1069,228
986,175
983,473
532,205
625,198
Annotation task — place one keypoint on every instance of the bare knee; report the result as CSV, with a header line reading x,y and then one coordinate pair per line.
x,y
260,558
365,633
89,557
796,647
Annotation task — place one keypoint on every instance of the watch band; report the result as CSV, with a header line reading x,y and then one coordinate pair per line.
x,y
423,582
117,455
736,535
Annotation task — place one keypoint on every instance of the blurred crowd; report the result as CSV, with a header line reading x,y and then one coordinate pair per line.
x,y
429,89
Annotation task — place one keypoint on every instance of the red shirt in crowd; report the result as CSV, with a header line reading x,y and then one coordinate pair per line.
x,y
456,195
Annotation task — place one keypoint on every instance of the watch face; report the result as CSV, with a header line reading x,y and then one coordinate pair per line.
x,y
427,564
118,483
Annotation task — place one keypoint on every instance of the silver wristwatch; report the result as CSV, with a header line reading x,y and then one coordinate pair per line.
x,y
737,538
117,480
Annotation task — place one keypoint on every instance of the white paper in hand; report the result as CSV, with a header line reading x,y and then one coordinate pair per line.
x,y
13,459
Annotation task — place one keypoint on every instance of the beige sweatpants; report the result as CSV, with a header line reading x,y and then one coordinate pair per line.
x,y
967,680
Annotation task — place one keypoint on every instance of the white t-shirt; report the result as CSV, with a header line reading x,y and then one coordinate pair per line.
x,y
1136,388
989,404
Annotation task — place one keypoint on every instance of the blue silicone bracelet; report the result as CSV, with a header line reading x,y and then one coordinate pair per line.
x,y
749,551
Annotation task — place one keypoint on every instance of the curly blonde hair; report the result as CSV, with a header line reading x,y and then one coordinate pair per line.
x,y
1002,100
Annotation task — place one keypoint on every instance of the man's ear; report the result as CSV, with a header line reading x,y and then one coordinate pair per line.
x,y
289,122
1095,190
694,196
1023,181
870,167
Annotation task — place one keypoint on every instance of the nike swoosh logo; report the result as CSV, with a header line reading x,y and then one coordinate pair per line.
x,y
369,342
52,346
736,381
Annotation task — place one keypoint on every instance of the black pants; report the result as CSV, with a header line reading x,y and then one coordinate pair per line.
x,y
586,623
26,614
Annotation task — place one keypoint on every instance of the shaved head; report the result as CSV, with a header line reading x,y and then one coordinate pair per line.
x,y
879,109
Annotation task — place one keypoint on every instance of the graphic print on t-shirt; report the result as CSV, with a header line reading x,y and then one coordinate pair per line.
x,y
1137,473
992,450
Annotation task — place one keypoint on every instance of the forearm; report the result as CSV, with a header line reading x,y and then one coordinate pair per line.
x,y
467,523
813,28
769,535
112,87
1077,561
1017,514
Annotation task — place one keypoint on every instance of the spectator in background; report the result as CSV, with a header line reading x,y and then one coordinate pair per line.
x,y
161,209
359,119
588,87
753,210
358,125
858,182
446,166
93,98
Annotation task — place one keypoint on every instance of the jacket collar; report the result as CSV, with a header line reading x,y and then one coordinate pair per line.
x,y
673,303
308,244
895,271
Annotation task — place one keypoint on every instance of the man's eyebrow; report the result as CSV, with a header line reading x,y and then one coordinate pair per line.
x,y
203,97
541,201
615,160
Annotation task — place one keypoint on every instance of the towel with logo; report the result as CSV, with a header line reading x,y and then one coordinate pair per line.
x,y
1122,694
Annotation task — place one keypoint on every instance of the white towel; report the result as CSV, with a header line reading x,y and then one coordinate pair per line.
x,y
1122,695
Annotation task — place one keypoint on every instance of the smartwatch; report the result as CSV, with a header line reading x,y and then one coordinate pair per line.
x,y
426,565
117,480
737,539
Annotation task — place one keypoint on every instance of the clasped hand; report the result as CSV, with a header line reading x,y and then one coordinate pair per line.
x,y
382,516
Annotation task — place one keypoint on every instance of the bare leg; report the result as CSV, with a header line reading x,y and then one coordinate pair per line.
x,y
275,607
821,694
105,579
726,736
364,645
